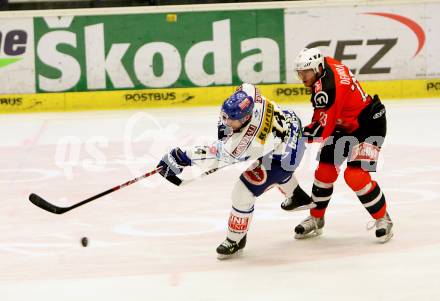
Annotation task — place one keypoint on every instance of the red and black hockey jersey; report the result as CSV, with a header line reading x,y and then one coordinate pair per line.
x,y
337,99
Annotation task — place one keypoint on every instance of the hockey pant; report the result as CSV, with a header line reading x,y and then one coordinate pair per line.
x,y
361,149
252,183
359,180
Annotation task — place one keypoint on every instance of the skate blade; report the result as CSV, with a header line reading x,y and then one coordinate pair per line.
x,y
386,238
223,256
312,234
303,207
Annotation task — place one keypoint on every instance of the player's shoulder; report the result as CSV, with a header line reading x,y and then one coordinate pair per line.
x,y
331,79
336,70
238,143
324,89
330,61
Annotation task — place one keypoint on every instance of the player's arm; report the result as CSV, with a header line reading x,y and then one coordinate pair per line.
x,y
322,125
327,105
206,157
223,132
173,163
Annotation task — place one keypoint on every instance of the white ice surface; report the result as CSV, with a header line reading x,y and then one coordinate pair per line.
x,y
154,241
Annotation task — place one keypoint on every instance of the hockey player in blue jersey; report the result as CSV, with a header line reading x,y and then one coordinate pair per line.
x,y
251,127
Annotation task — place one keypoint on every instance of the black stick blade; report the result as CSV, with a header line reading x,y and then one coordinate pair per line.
x,y
43,204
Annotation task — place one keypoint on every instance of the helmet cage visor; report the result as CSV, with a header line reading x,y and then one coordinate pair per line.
x,y
226,120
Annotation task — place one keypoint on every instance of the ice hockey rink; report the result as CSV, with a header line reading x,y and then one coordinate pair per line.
x,y
154,241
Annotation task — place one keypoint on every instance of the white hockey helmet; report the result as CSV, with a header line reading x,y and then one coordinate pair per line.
x,y
309,58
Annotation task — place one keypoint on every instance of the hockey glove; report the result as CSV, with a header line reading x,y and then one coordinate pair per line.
x,y
312,130
172,164
223,131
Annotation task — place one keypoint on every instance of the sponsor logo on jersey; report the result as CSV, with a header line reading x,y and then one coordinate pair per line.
x,y
317,86
266,127
320,100
256,176
237,223
379,114
365,152
245,141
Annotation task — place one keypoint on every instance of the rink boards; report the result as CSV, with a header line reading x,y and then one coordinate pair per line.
x,y
73,60
195,96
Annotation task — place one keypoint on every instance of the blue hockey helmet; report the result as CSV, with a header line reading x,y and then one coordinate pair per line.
x,y
238,106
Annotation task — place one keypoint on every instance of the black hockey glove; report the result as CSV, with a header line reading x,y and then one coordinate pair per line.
x,y
312,130
223,131
172,164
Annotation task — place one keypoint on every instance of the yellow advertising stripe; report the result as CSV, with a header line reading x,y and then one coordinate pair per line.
x,y
151,98
109,100
24,103
401,89
201,96
394,89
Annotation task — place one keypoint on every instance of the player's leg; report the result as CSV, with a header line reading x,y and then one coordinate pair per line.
x,y
239,221
373,199
296,197
363,160
325,175
257,179
322,190
253,182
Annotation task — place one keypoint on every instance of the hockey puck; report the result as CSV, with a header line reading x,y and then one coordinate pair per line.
x,y
84,241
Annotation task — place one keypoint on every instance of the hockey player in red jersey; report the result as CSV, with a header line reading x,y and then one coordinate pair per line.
x,y
351,125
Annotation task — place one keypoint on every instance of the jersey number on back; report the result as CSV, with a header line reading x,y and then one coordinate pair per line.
x,y
355,85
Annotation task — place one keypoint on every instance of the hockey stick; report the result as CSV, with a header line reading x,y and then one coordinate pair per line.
x,y
43,204
204,174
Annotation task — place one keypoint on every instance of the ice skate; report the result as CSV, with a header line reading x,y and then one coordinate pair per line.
x,y
298,201
384,227
230,248
309,227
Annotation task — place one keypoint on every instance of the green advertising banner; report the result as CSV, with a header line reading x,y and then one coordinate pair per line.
x,y
139,51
